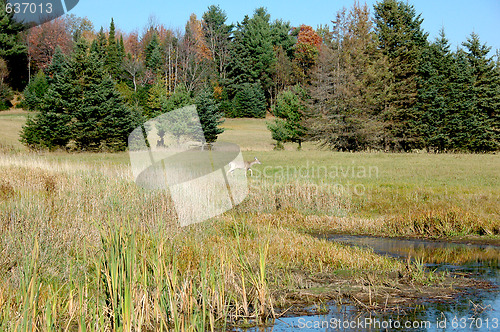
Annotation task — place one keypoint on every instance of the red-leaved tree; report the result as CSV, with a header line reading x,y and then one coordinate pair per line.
x,y
43,40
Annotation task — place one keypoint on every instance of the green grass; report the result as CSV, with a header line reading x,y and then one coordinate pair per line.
x,y
253,135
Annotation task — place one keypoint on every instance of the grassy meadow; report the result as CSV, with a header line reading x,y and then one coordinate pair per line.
x,y
84,248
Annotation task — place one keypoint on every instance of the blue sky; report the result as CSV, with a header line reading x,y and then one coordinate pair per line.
x,y
459,17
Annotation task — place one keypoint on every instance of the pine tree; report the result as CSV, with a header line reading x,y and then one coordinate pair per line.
x,y
252,54
81,106
282,35
485,121
12,49
114,55
35,91
250,101
290,110
402,40
434,98
210,117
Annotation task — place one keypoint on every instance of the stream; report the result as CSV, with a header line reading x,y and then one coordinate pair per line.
x,y
476,310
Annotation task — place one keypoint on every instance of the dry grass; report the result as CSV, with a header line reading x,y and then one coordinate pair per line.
x,y
11,123
84,247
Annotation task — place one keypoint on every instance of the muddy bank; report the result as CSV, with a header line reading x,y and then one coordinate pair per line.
x,y
396,293
475,240
437,272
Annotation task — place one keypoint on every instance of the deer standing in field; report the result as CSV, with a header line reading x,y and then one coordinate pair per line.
x,y
246,165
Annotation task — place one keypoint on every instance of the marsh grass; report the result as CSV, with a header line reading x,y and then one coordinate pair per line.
x,y
84,248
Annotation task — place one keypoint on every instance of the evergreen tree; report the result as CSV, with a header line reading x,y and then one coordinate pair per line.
x,y
210,117
81,106
279,133
177,100
485,120
51,128
217,34
12,49
290,110
250,101
99,46
461,104
434,98
282,35
252,54
114,54
349,85
157,97
35,91
153,55
180,98
402,39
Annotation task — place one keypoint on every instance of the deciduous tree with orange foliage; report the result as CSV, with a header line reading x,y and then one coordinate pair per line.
x,y
307,49
43,40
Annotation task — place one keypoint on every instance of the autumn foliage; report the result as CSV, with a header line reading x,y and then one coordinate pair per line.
x,y
307,47
43,40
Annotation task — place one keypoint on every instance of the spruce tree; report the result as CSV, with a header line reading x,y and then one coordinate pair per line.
x,y
485,119
99,46
402,40
434,98
209,115
461,103
250,101
177,100
157,97
114,55
153,55
81,107
350,84
52,127
35,91
290,110
57,65
180,98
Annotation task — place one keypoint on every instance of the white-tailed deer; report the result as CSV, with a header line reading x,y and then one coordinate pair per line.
x,y
246,165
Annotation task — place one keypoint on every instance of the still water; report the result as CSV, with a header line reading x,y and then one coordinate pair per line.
x,y
477,310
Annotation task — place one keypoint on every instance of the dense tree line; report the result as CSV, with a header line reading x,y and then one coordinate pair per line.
x,y
380,84
372,81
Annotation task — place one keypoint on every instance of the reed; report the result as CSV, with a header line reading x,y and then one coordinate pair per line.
x,y
84,248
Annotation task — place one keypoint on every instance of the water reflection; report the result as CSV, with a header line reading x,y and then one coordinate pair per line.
x,y
476,310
